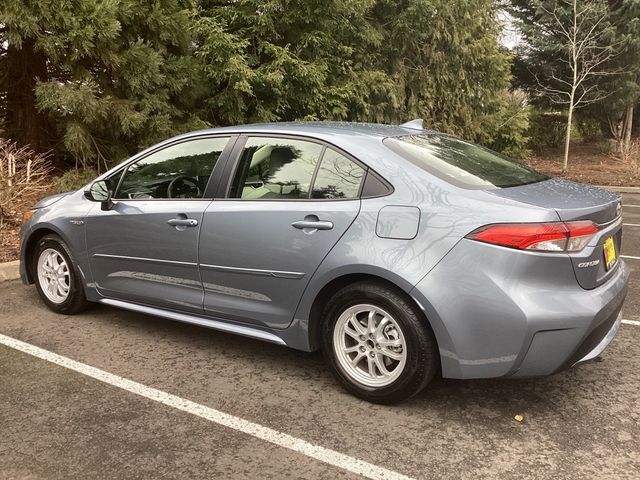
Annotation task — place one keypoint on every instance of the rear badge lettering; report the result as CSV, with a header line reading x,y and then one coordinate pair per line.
x,y
593,263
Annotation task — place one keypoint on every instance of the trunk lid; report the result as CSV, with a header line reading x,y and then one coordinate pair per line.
x,y
572,201
575,201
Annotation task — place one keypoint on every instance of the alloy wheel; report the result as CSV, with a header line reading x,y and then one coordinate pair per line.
x,y
53,275
369,345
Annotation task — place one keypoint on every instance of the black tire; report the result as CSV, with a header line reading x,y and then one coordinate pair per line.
x,y
422,357
76,300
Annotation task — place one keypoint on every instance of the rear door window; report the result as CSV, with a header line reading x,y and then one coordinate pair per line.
x,y
275,168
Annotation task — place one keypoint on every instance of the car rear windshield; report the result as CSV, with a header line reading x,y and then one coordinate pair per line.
x,y
462,163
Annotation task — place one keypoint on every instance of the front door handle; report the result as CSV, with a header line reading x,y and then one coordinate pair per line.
x,y
311,223
181,222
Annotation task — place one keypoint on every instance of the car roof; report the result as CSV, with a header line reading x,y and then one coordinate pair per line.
x,y
350,136
321,129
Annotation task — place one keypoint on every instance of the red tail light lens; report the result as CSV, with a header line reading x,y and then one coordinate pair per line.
x,y
545,237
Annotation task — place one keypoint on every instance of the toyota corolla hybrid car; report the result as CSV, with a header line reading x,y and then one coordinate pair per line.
x,y
400,252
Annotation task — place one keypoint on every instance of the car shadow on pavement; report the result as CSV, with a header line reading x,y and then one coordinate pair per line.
x,y
570,391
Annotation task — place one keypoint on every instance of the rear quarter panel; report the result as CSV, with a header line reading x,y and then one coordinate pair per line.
x,y
447,214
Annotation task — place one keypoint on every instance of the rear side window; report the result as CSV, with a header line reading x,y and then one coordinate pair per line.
x,y
272,168
337,177
291,169
462,163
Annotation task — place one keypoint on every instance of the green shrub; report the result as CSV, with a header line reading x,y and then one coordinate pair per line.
x,y
588,129
507,129
604,147
72,180
546,129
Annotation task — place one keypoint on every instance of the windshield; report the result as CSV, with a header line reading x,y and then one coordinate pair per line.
x,y
462,163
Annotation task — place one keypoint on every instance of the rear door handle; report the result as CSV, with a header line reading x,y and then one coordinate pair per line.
x,y
312,225
183,222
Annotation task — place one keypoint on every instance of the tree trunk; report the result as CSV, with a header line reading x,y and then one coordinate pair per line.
x,y
24,123
567,139
628,125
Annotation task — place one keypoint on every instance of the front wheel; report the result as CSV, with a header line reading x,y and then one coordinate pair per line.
x,y
377,343
57,279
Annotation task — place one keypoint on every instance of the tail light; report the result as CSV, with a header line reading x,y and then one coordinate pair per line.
x,y
542,237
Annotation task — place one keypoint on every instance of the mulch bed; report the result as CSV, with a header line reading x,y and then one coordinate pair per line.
x,y
586,166
9,241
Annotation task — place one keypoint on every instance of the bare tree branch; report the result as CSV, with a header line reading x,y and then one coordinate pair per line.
x,y
588,57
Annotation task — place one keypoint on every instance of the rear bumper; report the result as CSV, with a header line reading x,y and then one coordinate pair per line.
x,y
544,355
516,314
609,330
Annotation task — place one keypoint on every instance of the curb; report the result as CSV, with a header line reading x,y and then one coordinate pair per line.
x,y
10,271
620,189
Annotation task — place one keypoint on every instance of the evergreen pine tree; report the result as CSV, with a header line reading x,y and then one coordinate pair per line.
x,y
96,80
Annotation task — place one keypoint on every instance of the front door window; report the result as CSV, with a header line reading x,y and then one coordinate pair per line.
x,y
179,171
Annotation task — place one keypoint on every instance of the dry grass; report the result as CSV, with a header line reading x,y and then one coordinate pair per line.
x,y
24,177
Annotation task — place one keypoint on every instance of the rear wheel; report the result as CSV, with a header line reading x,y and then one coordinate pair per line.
x,y
377,343
57,278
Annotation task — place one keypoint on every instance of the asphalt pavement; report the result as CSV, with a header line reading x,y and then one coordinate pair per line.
x,y
60,423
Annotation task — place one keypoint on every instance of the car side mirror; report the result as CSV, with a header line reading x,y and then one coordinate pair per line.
x,y
100,191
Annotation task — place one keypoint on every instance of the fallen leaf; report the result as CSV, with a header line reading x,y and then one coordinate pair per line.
x,y
519,418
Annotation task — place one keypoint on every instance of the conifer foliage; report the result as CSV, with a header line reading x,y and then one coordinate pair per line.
x,y
97,80
94,79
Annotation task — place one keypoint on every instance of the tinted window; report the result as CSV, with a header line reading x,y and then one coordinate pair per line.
x,y
337,177
275,168
374,186
178,171
462,163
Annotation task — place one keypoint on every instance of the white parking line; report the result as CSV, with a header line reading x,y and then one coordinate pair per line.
x,y
632,322
630,257
317,452
631,224
633,206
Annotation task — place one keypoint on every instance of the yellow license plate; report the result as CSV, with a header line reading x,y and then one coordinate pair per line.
x,y
609,252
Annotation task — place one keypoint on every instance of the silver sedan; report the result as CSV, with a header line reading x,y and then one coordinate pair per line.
x,y
402,253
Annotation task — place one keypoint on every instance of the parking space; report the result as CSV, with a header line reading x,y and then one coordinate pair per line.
x,y
631,224
58,423
631,251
